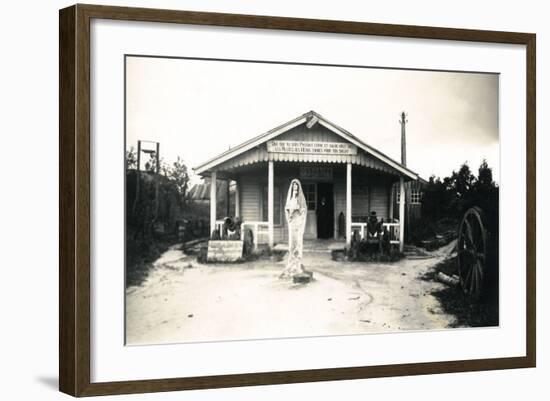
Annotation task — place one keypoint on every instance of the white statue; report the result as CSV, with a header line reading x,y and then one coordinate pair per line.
x,y
296,213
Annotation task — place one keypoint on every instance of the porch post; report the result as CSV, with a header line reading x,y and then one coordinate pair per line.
x,y
392,200
228,198
401,214
270,191
213,201
348,205
237,199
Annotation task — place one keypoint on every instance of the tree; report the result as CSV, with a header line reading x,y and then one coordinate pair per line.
x,y
178,174
131,158
485,175
463,181
452,195
435,199
486,194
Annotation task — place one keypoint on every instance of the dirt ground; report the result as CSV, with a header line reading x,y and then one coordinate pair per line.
x,y
184,301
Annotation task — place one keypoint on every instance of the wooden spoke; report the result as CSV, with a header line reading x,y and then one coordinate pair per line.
x,y
478,279
472,252
468,278
469,234
473,280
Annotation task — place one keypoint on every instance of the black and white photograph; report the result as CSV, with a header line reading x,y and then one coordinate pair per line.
x,y
275,200
269,200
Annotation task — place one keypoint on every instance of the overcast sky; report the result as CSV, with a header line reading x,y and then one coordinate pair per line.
x,y
197,109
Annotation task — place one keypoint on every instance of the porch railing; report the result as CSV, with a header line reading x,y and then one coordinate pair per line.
x,y
260,230
393,230
361,228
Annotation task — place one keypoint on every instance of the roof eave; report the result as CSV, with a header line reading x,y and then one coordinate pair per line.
x,y
204,168
227,155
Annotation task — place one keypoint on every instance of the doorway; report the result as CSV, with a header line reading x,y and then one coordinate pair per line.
x,y
325,210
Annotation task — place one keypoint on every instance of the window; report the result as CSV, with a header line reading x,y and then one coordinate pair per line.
x,y
416,196
310,194
276,205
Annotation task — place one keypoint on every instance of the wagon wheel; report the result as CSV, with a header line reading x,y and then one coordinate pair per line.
x,y
472,252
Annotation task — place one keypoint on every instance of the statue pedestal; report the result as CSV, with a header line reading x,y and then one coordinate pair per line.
x,y
302,278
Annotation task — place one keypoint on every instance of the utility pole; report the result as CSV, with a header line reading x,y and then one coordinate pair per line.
x,y
150,152
228,197
403,122
404,206
136,198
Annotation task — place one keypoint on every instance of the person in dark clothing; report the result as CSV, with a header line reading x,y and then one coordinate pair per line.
x,y
324,219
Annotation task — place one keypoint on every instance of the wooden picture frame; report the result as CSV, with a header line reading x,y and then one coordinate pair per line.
x,y
74,199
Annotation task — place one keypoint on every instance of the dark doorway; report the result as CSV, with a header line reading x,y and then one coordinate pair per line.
x,y
325,211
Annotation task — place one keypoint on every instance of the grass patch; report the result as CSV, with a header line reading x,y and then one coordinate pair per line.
x,y
362,251
140,255
468,312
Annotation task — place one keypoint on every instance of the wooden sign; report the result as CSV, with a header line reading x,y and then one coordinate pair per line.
x,y
316,172
224,251
310,147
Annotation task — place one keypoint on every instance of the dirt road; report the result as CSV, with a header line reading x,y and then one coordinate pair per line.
x,y
182,300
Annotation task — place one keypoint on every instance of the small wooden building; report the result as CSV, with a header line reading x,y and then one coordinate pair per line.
x,y
414,192
343,179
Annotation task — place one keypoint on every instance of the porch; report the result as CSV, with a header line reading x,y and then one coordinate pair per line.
x,y
340,200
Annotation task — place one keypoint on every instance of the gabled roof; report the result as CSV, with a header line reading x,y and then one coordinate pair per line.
x,y
275,132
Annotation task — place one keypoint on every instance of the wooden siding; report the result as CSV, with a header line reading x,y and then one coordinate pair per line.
x,y
252,203
360,200
369,192
413,211
317,133
250,198
379,200
277,204
360,194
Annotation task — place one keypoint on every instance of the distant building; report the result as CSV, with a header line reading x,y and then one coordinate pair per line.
x,y
200,194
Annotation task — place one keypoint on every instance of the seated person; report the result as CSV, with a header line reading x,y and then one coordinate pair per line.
x,y
374,227
231,228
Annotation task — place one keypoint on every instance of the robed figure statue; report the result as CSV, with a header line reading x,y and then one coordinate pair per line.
x,y
296,213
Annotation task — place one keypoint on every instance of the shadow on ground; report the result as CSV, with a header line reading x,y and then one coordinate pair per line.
x,y
48,381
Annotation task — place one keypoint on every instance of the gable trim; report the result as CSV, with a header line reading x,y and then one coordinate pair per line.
x,y
346,135
292,124
249,145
